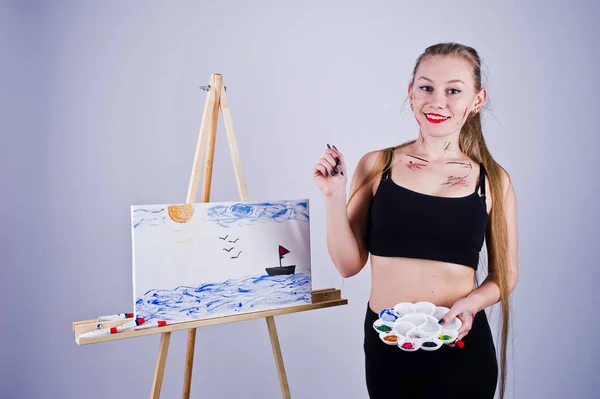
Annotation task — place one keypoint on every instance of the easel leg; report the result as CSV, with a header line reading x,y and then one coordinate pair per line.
x,y
285,389
206,147
189,363
161,360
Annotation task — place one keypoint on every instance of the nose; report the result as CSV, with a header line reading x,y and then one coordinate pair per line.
x,y
438,100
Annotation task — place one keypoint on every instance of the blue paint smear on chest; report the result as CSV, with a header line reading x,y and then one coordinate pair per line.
x,y
232,296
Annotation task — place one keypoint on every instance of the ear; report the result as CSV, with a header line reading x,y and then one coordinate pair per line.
x,y
480,98
409,91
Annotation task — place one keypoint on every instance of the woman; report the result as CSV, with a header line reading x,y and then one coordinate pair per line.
x,y
421,210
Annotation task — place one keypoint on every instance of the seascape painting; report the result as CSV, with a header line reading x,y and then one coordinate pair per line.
x,y
203,260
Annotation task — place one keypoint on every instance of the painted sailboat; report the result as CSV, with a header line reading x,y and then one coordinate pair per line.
x,y
281,270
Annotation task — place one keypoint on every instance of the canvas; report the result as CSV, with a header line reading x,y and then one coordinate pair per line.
x,y
203,260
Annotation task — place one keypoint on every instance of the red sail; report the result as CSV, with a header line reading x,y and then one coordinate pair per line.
x,y
282,251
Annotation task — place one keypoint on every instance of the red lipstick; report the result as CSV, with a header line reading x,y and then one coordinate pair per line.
x,y
436,118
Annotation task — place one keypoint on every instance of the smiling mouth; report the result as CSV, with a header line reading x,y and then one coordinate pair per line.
x,y
435,118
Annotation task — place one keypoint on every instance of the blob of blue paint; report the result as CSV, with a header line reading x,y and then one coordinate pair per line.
x,y
389,314
241,210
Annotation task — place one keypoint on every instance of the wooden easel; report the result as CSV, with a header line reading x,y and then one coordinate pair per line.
x,y
216,99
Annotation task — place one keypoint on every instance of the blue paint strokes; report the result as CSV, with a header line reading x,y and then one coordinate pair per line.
x,y
151,217
389,314
265,212
229,297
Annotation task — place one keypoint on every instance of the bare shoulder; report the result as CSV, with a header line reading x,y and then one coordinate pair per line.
x,y
508,192
370,167
368,164
507,186
369,160
508,189
366,172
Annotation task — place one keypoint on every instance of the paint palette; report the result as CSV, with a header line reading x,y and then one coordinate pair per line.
x,y
413,326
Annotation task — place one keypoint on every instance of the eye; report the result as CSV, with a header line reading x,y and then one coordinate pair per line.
x,y
426,88
454,91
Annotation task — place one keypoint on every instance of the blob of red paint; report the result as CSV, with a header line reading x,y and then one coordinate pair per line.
x,y
407,345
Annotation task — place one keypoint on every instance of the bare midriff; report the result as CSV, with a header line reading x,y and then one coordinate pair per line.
x,y
395,280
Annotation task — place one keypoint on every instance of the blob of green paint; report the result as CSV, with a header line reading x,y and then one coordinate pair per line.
x,y
445,337
383,328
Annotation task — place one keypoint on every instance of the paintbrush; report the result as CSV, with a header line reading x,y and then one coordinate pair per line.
x,y
337,168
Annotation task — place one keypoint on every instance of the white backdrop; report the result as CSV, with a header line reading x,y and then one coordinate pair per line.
x,y
101,108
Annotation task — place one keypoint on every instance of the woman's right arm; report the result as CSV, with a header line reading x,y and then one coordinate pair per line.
x,y
346,224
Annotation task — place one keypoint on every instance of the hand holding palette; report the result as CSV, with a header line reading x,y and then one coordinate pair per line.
x,y
413,326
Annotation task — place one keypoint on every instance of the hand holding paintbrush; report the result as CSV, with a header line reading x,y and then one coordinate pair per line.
x,y
329,172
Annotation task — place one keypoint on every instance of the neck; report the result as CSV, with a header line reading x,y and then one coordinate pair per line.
x,y
437,147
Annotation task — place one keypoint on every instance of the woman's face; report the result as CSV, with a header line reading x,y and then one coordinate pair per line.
x,y
443,94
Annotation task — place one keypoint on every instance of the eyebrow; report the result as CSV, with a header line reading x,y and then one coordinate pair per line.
x,y
450,81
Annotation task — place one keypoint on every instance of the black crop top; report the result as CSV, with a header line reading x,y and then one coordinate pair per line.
x,y
406,223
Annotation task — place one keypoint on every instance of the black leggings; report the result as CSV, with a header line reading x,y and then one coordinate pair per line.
x,y
449,372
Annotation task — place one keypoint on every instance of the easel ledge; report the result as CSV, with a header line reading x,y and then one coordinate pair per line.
x,y
321,299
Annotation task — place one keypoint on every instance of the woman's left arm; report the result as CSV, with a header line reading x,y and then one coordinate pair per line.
x,y
488,293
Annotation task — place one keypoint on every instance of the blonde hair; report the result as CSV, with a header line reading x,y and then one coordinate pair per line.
x,y
472,144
